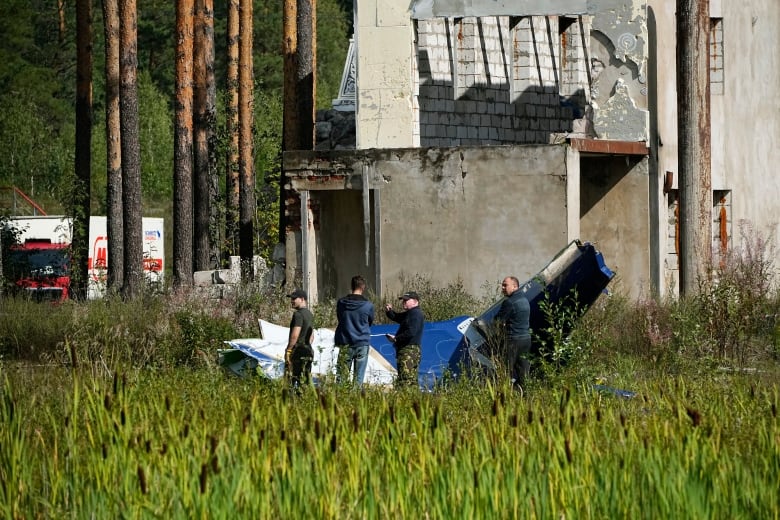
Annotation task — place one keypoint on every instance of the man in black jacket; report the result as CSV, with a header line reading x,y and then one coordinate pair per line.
x,y
408,338
514,315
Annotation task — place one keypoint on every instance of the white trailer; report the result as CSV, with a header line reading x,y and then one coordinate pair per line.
x,y
58,229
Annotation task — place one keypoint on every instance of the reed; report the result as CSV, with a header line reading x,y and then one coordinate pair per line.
x,y
186,444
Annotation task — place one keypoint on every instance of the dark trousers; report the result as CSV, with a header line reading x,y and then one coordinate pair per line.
x,y
517,364
298,371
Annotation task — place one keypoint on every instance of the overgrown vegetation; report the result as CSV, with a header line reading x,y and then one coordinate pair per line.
x,y
122,412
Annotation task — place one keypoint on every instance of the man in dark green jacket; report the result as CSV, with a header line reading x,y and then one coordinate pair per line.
x,y
514,315
299,355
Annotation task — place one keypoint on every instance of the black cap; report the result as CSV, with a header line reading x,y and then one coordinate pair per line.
x,y
298,293
410,295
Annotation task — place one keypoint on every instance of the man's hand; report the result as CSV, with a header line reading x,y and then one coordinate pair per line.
x,y
287,359
388,307
390,338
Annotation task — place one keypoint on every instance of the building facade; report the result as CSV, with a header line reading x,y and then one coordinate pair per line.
x,y
489,135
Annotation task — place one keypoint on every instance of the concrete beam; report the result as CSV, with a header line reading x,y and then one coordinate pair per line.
x,y
426,9
600,146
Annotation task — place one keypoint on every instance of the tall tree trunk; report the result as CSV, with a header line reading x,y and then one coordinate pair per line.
x,y
203,121
215,231
246,151
694,144
290,119
183,153
133,276
83,164
113,147
231,169
305,74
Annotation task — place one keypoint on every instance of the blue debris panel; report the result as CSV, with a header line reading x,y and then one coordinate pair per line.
x,y
573,280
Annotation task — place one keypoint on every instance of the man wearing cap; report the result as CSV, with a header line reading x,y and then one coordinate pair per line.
x,y
299,355
408,338
355,314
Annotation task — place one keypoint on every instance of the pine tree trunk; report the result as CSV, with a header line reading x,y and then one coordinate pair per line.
x,y
131,152
203,121
246,151
113,148
183,149
231,169
83,164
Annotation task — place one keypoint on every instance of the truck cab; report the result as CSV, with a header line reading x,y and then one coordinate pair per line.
x,y
39,269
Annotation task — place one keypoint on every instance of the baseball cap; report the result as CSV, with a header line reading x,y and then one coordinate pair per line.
x,y
298,293
410,295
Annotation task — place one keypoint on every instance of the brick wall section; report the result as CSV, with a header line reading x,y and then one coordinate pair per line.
x,y
498,80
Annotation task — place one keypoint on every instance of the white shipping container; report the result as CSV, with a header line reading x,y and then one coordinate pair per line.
x,y
58,229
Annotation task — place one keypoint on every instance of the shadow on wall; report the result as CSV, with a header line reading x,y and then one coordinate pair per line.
x,y
601,175
491,114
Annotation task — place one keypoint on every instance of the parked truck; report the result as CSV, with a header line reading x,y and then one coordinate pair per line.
x,y
39,261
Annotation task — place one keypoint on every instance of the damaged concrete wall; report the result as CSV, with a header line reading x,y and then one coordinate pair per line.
x,y
470,213
618,56
493,73
385,106
476,214
745,121
502,80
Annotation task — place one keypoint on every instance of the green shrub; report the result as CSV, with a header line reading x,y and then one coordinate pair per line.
x,y
438,303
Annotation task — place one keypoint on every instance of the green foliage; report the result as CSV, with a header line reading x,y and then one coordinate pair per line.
x,y
114,425
38,152
268,166
556,347
38,85
203,331
440,303
332,44
156,136
736,310
29,330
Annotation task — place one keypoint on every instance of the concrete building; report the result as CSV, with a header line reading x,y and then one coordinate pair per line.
x,y
490,134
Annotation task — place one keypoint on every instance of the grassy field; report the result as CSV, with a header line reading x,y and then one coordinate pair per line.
x,y
188,443
115,409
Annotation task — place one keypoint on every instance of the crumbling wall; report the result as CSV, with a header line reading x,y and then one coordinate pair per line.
x,y
618,57
530,78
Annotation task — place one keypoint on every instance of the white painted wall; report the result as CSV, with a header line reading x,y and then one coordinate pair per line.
x,y
384,39
745,118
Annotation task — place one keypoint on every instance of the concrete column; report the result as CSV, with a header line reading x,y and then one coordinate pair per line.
x,y
572,194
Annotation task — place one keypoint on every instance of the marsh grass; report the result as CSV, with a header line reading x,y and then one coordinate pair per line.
x,y
113,409
184,444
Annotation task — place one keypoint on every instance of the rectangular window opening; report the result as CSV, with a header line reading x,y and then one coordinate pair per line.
x,y
716,57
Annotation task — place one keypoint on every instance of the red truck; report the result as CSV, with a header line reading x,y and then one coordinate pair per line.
x,y
39,269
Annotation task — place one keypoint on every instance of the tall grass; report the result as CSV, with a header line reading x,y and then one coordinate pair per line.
x,y
192,444
120,414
